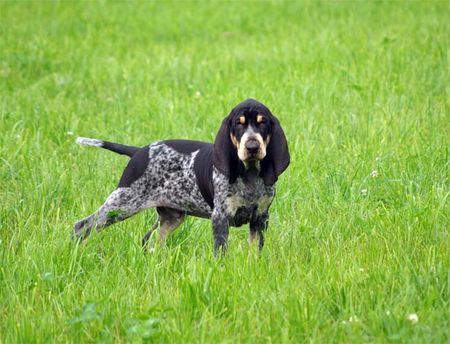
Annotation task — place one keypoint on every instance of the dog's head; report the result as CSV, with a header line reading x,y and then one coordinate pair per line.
x,y
252,135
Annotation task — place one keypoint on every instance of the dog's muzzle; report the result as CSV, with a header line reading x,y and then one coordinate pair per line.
x,y
252,146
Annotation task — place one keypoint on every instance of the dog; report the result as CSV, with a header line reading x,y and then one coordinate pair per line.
x,y
231,182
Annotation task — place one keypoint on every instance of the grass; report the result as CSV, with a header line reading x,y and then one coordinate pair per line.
x,y
350,253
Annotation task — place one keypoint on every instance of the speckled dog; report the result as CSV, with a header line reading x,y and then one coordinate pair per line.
x,y
231,181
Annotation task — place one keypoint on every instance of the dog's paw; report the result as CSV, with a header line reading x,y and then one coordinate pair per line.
x,y
80,232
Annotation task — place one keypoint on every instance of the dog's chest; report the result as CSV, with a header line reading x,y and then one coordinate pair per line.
x,y
246,200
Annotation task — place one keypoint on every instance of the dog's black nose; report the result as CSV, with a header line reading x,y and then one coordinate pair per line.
x,y
252,146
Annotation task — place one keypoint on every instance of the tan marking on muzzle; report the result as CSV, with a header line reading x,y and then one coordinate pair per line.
x,y
234,141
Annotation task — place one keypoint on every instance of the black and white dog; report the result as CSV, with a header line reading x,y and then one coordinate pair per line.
x,y
231,181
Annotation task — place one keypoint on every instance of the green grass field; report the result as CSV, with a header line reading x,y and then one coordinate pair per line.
x,y
358,243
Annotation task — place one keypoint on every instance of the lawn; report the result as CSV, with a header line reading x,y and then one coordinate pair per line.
x,y
358,243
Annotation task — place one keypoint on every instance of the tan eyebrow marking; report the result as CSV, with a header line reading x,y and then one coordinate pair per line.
x,y
259,118
242,119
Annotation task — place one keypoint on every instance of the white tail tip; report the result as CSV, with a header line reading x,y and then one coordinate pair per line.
x,y
85,141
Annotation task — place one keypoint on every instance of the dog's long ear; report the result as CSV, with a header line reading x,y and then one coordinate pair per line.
x,y
277,158
225,157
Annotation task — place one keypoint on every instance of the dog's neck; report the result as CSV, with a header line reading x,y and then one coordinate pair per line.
x,y
250,170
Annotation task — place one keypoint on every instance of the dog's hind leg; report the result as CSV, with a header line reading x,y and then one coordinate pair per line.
x,y
120,205
168,220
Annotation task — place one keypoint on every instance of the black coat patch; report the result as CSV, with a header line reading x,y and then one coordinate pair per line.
x,y
203,169
135,168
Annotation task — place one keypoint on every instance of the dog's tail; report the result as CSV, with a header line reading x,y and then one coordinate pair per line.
x,y
115,147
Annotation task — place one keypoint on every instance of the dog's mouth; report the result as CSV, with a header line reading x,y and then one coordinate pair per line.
x,y
253,157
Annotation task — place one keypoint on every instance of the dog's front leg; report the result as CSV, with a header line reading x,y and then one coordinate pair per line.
x,y
220,231
258,225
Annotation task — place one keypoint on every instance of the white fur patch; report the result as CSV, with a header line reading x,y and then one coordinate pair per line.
x,y
85,141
